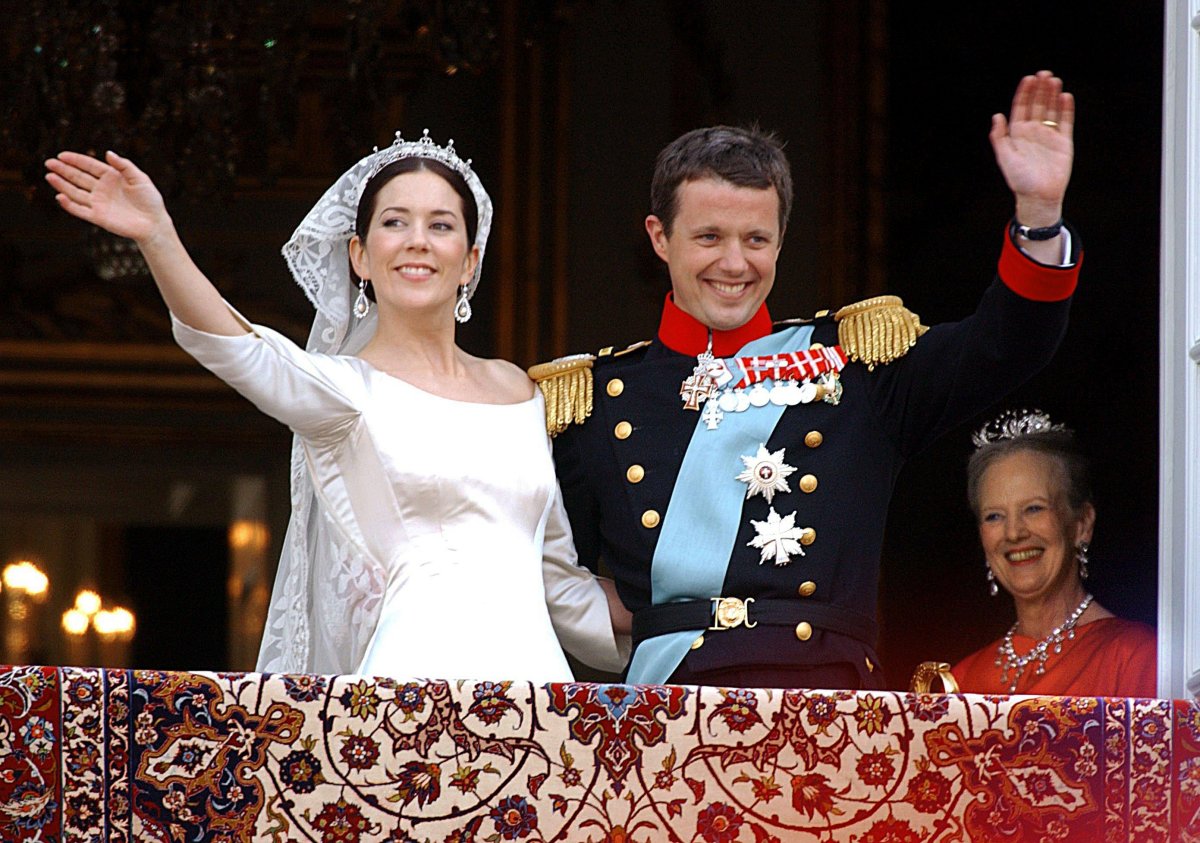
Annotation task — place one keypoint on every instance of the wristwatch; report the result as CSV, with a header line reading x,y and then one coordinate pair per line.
x,y
1046,233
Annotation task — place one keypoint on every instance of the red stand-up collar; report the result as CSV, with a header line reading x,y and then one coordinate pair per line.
x,y
686,334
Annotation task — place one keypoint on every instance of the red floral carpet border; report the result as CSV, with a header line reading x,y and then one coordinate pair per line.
x,y
117,755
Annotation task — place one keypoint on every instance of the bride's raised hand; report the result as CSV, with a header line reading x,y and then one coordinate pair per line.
x,y
118,197
113,194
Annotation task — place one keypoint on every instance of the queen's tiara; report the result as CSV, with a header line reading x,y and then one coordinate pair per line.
x,y
1013,424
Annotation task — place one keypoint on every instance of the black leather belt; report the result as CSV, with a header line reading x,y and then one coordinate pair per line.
x,y
720,613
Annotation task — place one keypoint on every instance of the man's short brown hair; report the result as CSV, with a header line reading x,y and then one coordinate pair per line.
x,y
745,157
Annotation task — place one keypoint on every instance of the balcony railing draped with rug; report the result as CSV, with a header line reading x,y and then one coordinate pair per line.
x,y
144,755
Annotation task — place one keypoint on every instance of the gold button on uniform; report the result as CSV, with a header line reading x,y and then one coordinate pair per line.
x,y
635,473
615,387
807,588
808,483
650,519
808,536
698,643
804,630
816,346
813,439
622,430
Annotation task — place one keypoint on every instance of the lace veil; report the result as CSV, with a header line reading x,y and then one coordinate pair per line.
x,y
327,594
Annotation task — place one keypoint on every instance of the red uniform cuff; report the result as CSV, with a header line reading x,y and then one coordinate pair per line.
x,y
1032,280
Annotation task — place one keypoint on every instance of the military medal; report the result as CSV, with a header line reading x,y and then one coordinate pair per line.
x,y
695,390
778,538
699,386
765,473
784,380
832,385
712,414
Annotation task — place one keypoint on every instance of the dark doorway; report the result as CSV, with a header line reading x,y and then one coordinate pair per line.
x,y
175,579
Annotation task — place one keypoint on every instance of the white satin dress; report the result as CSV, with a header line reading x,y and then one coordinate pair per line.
x,y
456,559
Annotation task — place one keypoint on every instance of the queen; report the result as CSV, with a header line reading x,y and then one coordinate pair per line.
x,y
1027,483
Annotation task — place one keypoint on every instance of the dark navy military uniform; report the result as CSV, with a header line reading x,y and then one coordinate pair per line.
x,y
619,469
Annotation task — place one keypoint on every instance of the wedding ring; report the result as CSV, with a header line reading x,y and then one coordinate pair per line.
x,y
1050,123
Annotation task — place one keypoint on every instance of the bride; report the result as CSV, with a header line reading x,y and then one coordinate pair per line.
x,y
427,536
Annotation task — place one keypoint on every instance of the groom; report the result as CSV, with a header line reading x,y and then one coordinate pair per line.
x,y
734,472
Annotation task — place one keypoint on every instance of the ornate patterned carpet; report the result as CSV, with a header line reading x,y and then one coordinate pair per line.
x,y
116,755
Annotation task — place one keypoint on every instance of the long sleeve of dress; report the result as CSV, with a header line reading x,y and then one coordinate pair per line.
x,y
300,389
328,588
578,605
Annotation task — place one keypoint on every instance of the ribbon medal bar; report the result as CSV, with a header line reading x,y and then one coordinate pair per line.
x,y
796,377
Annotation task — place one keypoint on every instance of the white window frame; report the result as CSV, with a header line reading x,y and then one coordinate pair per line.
x,y
1179,384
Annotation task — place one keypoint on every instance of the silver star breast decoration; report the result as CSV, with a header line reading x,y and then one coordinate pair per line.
x,y
778,538
765,473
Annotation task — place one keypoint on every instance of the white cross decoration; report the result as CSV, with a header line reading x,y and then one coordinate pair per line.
x,y
712,415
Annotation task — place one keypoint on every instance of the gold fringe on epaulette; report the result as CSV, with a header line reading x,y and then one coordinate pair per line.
x,y
877,330
566,384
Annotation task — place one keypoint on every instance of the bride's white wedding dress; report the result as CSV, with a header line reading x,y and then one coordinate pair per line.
x,y
437,545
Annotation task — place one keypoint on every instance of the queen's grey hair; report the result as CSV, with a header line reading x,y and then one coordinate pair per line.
x,y
1073,469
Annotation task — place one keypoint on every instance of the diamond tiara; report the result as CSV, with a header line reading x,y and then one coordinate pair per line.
x,y
423,147
1013,424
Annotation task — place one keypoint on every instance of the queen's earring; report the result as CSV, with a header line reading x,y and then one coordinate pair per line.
x,y
993,589
1081,553
462,308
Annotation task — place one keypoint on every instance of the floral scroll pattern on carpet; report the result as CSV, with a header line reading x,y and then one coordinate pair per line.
x,y
142,755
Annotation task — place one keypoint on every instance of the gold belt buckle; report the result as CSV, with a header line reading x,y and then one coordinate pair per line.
x,y
729,612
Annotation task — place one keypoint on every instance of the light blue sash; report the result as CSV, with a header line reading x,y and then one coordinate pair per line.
x,y
705,513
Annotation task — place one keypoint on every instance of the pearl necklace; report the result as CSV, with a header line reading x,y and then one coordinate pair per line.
x,y
1010,663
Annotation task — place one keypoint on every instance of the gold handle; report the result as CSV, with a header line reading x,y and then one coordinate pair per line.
x,y
926,672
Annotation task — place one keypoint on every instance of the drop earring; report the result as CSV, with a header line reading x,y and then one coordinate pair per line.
x,y
993,589
462,308
1081,553
362,304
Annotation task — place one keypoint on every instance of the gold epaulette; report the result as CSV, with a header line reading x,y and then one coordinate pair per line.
x,y
566,384
877,330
